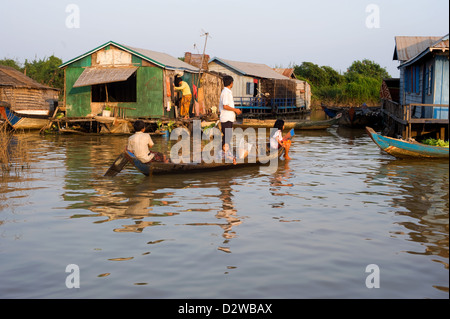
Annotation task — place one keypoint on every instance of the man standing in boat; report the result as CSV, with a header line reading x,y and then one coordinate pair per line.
x,y
227,110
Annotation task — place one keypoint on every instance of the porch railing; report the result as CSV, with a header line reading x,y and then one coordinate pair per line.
x,y
416,112
263,105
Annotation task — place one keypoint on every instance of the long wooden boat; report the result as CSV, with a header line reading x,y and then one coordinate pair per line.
x,y
154,168
407,149
355,117
288,125
24,119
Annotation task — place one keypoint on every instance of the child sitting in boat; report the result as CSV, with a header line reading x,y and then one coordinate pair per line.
x,y
140,143
277,139
226,154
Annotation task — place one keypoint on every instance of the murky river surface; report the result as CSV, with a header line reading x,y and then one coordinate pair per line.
x,y
309,230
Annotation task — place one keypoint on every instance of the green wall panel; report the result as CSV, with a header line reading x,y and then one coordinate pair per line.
x,y
78,100
149,93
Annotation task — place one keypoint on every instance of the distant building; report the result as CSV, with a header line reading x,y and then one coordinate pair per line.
x,y
303,90
421,107
259,89
25,103
25,95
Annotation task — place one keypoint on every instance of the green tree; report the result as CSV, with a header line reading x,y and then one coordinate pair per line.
x,y
12,63
46,71
313,73
367,68
333,77
318,76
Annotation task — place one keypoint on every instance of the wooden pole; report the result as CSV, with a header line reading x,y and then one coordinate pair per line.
x,y
206,34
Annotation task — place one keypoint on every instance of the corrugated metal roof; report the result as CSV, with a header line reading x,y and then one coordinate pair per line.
x,y
92,76
163,60
251,69
407,47
11,77
441,44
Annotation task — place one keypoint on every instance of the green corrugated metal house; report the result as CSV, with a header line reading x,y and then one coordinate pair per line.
x,y
136,82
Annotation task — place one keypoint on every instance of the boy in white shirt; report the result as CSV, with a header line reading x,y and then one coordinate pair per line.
x,y
227,110
140,143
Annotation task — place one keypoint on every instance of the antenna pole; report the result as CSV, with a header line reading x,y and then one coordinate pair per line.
x,y
206,34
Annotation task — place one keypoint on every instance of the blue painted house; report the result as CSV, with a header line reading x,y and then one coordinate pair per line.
x,y
424,79
423,102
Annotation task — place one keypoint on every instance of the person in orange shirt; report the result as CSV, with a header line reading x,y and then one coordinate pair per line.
x,y
186,98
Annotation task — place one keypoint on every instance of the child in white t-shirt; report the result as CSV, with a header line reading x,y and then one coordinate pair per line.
x,y
277,139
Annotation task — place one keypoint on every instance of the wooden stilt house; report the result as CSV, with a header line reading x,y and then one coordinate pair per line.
x,y
421,108
258,89
133,82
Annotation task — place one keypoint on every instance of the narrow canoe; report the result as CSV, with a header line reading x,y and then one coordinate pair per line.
x,y
297,125
173,168
407,149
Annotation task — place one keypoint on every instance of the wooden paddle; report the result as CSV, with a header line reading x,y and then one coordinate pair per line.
x,y
117,165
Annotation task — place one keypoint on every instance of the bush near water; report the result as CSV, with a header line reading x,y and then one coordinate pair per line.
x,y
360,84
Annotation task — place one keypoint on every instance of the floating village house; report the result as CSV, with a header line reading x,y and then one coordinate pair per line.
x,y
421,108
134,83
25,103
303,88
260,90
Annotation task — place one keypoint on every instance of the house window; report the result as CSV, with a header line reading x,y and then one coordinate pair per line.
x,y
250,88
412,79
428,79
417,79
408,80
124,91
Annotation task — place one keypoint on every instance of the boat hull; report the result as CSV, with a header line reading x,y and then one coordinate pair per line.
x,y
155,168
22,121
356,117
288,125
404,149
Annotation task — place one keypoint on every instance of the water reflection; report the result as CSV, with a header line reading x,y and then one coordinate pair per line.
x,y
147,201
424,194
159,231
227,213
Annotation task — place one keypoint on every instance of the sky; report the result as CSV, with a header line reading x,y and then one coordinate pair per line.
x,y
278,33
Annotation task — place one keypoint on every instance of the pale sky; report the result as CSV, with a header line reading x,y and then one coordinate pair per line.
x,y
279,33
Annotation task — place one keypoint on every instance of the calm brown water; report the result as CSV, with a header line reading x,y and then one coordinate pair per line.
x,y
309,230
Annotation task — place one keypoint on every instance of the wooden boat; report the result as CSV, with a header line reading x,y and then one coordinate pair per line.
x,y
154,168
407,149
355,117
288,125
24,119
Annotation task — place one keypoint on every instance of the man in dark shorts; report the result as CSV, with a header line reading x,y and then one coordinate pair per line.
x,y
227,110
